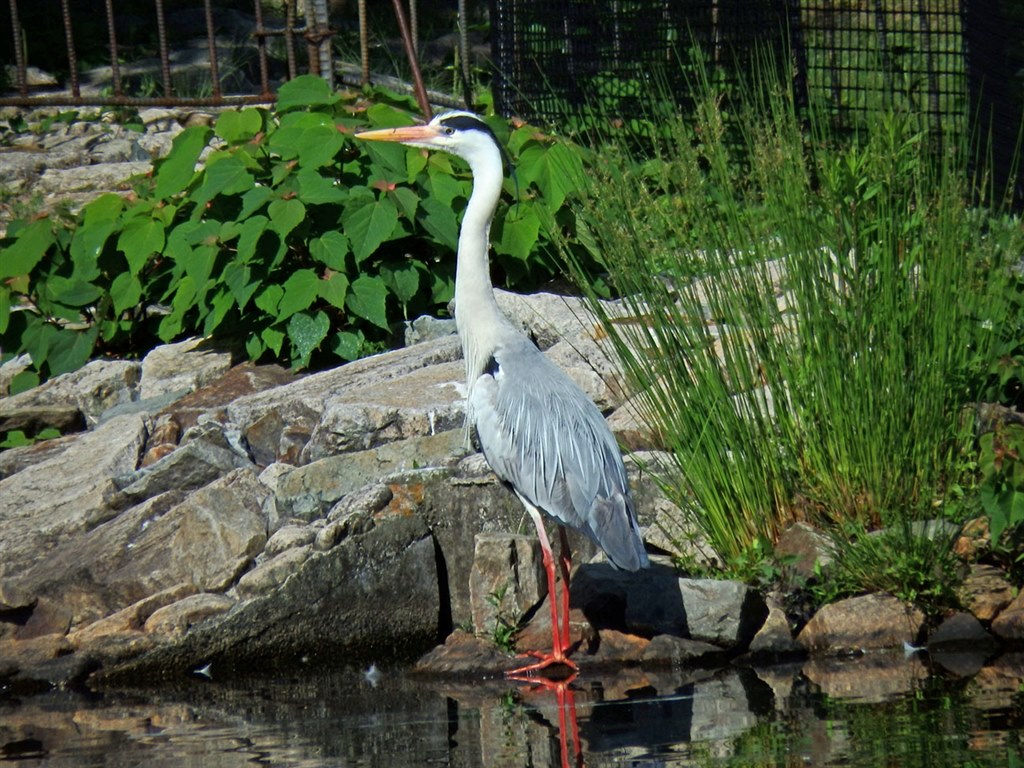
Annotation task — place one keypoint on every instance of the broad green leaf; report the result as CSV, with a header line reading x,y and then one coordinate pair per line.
x,y
442,287
314,189
139,240
254,347
27,250
406,201
305,91
386,116
330,250
306,332
24,381
440,221
37,339
334,289
444,188
300,290
225,176
368,222
221,304
519,233
367,299
285,215
253,200
70,350
553,169
71,292
348,345
125,291
178,168
252,229
312,138
274,339
269,298
236,126
86,246
5,308
106,207
403,280
238,278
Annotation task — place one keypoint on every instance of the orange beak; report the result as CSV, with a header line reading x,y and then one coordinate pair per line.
x,y
412,133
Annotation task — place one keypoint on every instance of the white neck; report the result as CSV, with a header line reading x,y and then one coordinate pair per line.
x,y
477,316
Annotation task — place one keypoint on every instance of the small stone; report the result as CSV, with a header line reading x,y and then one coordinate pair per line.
x,y
775,638
985,592
289,537
18,654
366,501
803,550
613,648
174,620
129,619
1009,624
466,654
270,575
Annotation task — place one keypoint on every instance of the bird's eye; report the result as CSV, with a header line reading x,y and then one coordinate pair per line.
x,y
449,131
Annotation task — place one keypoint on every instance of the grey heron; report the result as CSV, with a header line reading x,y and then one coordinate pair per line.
x,y
538,431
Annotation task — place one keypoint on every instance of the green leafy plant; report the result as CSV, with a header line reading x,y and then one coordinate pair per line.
x,y
1001,465
914,562
290,240
505,626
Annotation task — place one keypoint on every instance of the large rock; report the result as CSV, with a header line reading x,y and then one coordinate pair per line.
x,y
507,579
298,407
92,389
181,367
307,492
869,622
421,402
201,542
374,596
656,601
50,502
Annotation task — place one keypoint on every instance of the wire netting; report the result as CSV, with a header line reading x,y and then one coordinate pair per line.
x,y
560,60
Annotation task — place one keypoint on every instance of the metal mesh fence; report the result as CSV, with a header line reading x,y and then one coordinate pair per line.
x,y
559,59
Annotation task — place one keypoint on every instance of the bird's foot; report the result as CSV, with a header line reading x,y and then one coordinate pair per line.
x,y
544,662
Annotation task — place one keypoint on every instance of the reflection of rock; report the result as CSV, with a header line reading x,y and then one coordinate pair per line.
x,y
873,677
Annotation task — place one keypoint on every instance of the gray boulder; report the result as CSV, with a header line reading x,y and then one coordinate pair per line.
x,y
868,622
373,596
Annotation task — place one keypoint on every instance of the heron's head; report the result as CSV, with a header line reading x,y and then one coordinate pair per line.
x,y
460,133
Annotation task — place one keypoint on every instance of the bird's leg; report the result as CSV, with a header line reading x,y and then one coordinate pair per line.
x,y
557,655
565,564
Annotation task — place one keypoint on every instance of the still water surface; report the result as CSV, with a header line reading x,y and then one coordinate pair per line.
x,y
871,711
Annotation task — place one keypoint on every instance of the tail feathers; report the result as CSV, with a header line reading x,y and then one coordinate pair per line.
x,y
614,529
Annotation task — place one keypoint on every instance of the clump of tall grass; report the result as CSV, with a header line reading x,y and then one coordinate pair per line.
x,y
807,310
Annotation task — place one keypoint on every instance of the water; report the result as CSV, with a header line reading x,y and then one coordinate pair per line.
x,y
871,711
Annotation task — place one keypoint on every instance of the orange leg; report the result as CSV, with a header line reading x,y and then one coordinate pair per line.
x,y
565,564
559,642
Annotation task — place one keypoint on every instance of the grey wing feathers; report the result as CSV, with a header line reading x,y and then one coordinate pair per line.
x,y
543,435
